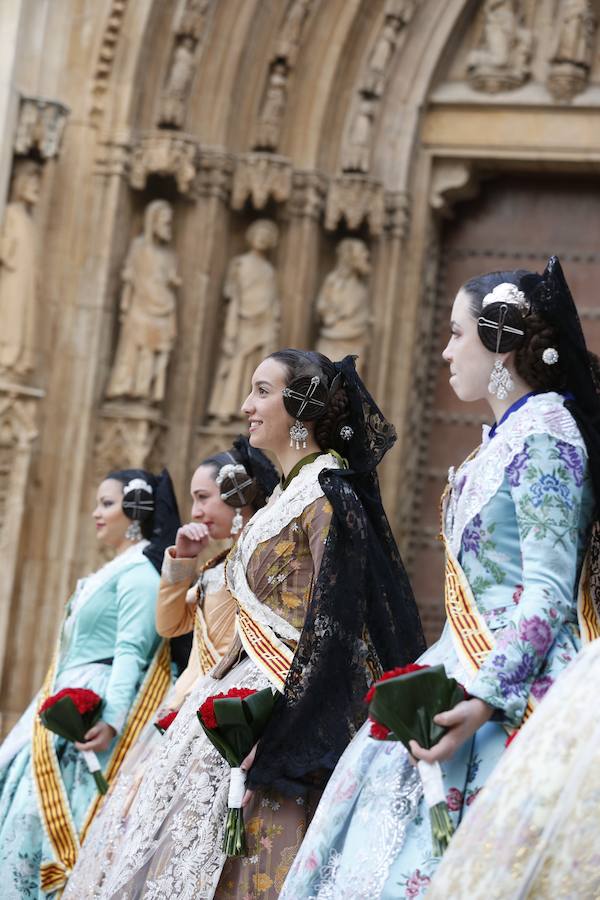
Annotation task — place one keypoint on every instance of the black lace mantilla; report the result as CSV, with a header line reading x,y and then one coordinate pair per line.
x,y
362,617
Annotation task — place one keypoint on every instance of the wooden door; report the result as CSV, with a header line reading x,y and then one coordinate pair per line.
x,y
515,223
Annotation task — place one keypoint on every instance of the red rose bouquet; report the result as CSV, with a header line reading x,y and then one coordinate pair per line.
x,y
233,723
402,706
163,723
70,713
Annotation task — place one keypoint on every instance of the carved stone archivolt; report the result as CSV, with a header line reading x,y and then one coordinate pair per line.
x,y
342,309
573,52
260,177
166,154
502,61
357,199
147,308
290,34
106,56
40,127
19,272
251,328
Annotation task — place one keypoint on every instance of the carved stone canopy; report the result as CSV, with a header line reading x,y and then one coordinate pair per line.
x,y
166,154
260,177
40,127
357,199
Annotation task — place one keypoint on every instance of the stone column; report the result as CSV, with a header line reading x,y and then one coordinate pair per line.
x,y
299,270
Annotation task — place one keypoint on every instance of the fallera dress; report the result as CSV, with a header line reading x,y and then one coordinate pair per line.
x,y
517,517
108,643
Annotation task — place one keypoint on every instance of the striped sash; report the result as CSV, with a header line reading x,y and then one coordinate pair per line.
x,y
53,803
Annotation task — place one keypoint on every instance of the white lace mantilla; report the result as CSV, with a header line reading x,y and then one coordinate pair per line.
x,y
267,523
213,579
482,476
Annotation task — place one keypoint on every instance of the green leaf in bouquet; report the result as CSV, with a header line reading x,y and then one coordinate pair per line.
x,y
243,720
64,719
407,704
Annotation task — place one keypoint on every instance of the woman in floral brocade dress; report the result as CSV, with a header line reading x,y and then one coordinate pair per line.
x,y
323,604
517,524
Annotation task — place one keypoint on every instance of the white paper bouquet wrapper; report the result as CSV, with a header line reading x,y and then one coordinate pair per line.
x,y
237,788
433,782
91,760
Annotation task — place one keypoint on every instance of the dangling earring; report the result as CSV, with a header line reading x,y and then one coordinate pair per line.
x,y
134,532
501,384
237,523
298,434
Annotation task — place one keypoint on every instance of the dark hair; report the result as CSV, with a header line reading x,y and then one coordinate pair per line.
x,y
218,460
303,363
124,476
539,334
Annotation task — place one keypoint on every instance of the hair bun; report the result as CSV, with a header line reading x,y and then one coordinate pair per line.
x,y
138,500
504,321
237,487
306,398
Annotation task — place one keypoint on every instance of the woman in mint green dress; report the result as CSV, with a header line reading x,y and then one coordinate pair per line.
x,y
108,644
520,597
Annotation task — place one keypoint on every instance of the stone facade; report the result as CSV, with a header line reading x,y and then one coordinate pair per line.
x,y
374,120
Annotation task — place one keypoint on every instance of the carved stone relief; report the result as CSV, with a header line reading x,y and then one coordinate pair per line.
x,y
19,273
309,192
355,198
147,311
356,149
452,180
184,59
40,127
290,35
177,84
342,307
251,327
501,62
260,177
164,154
573,52
126,438
272,109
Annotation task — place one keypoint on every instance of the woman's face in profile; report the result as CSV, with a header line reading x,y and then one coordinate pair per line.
x,y
470,362
111,521
268,421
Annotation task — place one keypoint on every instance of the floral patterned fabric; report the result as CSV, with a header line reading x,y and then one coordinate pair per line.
x,y
522,550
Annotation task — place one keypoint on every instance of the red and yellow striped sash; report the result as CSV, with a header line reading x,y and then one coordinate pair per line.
x,y
53,802
261,645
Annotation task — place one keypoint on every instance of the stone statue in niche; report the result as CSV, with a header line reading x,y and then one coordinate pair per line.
x,y
356,153
343,309
251,328
573,52
501,63
179,79
380,58
288,40
273,108
19,272
147,311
